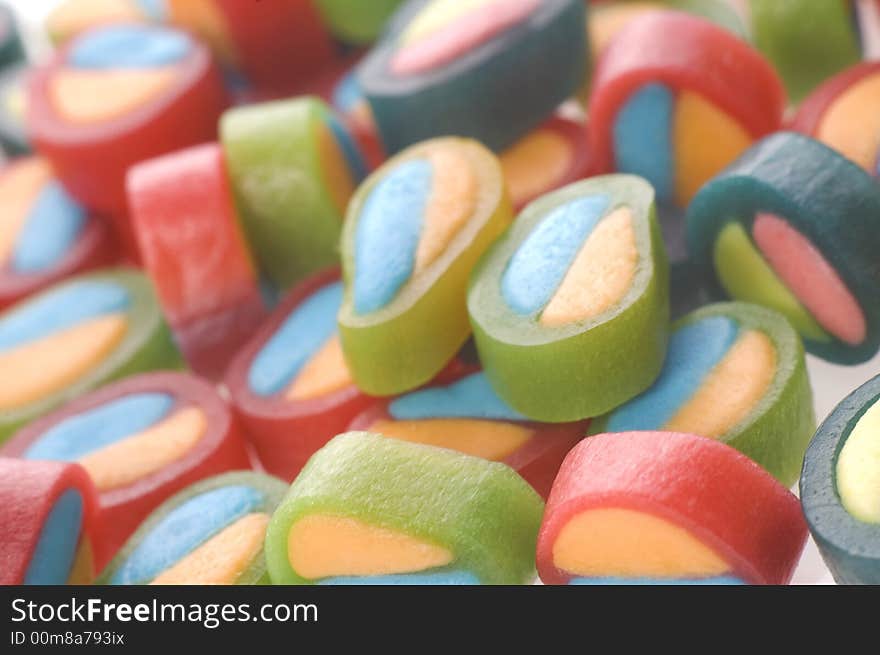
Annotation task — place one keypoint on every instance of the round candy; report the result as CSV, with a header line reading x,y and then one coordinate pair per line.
x,y
356,21
795,226
115,96
667,508
839,487
552,156
70,18
294,168
445,67
77,336
789,32
290,385
45,235
13,101
736,373
467,415
190,241
141,440
413,233
211,533
843,113
371,510
47,523
675,99
570,308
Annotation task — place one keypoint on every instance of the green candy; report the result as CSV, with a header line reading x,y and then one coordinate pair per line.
x,y
586,367
293,169
406,342
146,346
481,511
357,21
807,41
827,199
137,561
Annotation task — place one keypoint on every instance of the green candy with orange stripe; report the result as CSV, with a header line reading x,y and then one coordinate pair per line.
x,y
570,308
413,233
75,337
293,168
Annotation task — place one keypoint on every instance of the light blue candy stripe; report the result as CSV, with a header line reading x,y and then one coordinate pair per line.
x,y
694,350
470,397
129,47
353,158
60,310
79,435
186,528
539,265
430,579
387,234
304,332
51,229
643,138
53,557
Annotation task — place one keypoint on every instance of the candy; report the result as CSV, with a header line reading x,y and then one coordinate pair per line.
x,y
413,233
466,415
290,385
371,510
73,17
356,21
47,523
293,168
11,49
789,34
667,508
795,226
274,44
13,98
675,99
736,373
842,113
209,533
191,244
115,96
141,440
570,307
839,485
552,156
45,235
77,336
449,67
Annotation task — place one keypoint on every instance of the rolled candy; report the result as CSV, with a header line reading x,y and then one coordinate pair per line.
x,y
675,99
736,373
290,385
787,33
371,510
413,233
667,508
115,96
552,156
438,56
294,168
843,114
70,18
839,485
191,243
47,523
13,101
349,100
11,48
467,415
141,440
356,21
570,308
795,226
45,235
75,337
210,533
273,44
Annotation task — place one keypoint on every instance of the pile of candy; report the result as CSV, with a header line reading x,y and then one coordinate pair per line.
x,y
438,292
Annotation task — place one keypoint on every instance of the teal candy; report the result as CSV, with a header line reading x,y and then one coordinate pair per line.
x,y
53,556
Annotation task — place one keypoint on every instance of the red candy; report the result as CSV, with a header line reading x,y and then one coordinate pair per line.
x,y
191,244
28,493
